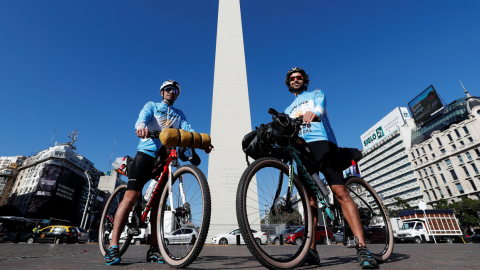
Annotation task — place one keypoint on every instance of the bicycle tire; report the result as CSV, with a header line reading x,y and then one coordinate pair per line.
x,y
271,261
168,254
378,252
105,228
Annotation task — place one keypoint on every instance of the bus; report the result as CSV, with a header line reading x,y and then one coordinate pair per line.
x,y
13,225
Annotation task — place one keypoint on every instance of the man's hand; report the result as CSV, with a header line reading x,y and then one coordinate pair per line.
x,y
209,150
142,133
308,117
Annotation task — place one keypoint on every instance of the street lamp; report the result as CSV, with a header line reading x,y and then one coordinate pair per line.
x,y
88,200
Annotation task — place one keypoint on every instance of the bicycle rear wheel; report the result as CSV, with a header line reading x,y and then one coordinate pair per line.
x,y
377,228
183,227
261,202
108,218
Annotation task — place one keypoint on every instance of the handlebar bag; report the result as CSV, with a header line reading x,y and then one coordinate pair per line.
x,y
255,144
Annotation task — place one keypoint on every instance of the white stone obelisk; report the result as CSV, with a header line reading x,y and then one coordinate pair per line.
x,y
230,118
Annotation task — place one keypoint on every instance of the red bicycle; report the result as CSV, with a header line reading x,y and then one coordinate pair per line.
x,y
183,218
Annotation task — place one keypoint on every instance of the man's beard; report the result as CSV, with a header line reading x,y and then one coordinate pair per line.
x,y
299,90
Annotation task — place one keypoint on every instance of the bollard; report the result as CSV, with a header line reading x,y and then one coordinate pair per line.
x,y
281,239
238,239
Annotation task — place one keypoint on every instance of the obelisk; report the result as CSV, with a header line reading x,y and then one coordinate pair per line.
x,y
230,118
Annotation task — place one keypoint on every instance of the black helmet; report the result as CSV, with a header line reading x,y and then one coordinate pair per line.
x,y
301,71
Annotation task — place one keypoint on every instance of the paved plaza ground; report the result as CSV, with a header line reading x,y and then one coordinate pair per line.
x,y
87,256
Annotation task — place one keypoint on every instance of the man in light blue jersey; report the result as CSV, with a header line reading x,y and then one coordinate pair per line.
x,y
322,143
153,116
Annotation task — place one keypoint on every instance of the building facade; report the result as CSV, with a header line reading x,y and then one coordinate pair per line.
x,y
385,165
53,183
8,175
446,157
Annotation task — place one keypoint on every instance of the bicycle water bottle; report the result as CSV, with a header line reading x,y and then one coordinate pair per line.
x,y
321,186
150,190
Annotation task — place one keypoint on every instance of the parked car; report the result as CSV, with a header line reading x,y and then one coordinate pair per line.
x,y
297,236
82,235
475,238
181,236
339,235
231,238
137,240
54,234
275,238
375,235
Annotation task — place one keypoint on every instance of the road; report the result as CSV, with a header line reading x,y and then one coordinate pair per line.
x,y
87,256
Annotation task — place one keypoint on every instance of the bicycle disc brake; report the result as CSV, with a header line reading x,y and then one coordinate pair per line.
x,y
281,211
184,213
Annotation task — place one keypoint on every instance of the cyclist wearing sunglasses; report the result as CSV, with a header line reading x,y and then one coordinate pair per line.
x,y
153,116
321,141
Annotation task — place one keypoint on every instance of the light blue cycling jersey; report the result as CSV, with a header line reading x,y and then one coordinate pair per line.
x,y
158,116
315,102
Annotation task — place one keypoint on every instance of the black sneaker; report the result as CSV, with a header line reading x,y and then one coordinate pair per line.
x,y
312,258
365,259
153,255
112,256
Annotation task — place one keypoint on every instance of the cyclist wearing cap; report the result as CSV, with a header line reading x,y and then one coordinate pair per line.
x,y
321,141
153,116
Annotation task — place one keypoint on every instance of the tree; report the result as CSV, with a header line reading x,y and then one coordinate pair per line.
x,y
283,218
399,205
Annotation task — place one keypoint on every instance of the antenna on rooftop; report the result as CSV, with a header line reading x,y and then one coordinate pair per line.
x,y
115,142
52,138
73,135
466,92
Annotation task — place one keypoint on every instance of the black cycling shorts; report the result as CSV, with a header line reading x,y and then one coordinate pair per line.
x,y
326,155
140,171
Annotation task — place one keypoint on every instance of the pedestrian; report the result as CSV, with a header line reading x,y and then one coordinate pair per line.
x,y
36,229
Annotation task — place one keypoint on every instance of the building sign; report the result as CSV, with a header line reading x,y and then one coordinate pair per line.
x,y
425,105
384,127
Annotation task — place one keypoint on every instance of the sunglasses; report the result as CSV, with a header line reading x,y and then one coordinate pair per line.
x,y
171,89
299,77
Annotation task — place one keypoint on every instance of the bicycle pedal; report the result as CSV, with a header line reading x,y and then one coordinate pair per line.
x,y
134,231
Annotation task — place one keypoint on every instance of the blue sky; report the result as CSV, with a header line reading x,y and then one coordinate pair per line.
x,y
92,65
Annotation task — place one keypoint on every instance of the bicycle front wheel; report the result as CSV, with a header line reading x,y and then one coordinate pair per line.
x,y
108,219
377,229
262,210
183,218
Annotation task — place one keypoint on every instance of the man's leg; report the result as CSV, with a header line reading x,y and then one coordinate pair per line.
x,y
121,216
314,208
350,211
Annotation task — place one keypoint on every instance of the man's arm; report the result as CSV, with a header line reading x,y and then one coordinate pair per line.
x,y
143,119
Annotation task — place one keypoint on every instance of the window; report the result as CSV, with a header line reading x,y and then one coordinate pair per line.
x,y
426,159
457,133
413,155
475,168
420,173
443,151
462,143
433,155
454,146
425,186
439,142
435,179
460,188
454,175
430,147
468,156
418,153
441,193
448,162
429,182
466,130
439,168
416,163
460,159
450,137
423,150
431,170
473,185
470,139
425,171
466,171
449,192
429,198
478,152
434,194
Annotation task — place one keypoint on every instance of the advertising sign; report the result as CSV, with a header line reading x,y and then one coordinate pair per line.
x,y
384,127
425,105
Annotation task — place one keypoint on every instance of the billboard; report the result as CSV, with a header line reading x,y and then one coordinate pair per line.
x,y
425,105
384,127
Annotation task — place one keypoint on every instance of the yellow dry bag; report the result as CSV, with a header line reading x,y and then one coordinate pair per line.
x,y
173,137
